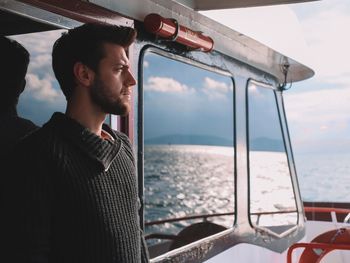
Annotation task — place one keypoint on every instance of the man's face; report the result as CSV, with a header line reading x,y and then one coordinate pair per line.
x,y
113,82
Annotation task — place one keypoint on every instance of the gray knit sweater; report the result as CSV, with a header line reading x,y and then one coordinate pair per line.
x,y
72,197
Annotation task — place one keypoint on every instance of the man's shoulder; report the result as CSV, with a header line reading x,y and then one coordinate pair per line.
x,y
26,124
35,141
21,125
25,153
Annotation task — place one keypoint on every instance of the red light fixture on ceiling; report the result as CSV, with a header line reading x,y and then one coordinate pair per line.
x,y
170,29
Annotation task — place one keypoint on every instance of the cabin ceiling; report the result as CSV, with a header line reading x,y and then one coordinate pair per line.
x,y
20,22
13,24
226,4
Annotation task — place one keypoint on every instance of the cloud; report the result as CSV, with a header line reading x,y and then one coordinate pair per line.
x,y
320,119
258,92
211,84
145,64
39,42
163,84
215,89
320,114
325,32
41,61
314,34
41,88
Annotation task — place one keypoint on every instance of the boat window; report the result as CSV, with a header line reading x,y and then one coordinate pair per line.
x,y
42,95
272,200
188,153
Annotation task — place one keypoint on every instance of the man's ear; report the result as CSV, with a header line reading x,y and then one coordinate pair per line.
x,y
83,74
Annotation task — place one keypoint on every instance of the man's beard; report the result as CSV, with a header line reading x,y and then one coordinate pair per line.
x,y
107,103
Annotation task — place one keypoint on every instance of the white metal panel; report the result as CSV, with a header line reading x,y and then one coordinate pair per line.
x,y
247,253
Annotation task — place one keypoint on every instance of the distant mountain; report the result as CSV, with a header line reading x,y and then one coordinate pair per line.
x,y
190,139
258,144
267,144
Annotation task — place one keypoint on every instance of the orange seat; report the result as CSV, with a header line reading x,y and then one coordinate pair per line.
x,y
322,245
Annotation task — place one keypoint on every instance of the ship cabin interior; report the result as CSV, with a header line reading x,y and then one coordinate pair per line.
x,y
214,159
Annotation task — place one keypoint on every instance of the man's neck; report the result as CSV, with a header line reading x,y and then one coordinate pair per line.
x,y
87,116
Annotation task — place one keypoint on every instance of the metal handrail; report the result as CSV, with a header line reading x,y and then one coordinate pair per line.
x,y
332,210
313,209
205,216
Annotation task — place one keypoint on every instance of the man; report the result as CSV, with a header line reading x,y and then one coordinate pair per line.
x,y
73,195
13,68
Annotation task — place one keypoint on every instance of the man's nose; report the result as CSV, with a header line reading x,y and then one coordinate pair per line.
x,y
131,81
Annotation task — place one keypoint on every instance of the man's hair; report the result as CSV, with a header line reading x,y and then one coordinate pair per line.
x,y
85,44
14,60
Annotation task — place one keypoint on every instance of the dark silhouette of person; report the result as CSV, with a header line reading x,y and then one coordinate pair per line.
x,y
14,60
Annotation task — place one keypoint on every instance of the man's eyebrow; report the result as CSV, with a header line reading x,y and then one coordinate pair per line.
x,y
121,64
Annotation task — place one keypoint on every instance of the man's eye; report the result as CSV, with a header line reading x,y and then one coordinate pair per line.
x,y
118,69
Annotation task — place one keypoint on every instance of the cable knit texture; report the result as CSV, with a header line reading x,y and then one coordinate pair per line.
x,y
74,197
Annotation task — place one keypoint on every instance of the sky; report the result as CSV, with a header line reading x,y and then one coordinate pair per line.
x,y
315,34
199,102
319,109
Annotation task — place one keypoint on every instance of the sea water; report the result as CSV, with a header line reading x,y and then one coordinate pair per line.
x,y
324,177
183,180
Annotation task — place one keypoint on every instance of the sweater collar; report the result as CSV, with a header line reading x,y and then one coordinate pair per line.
x,y
103,151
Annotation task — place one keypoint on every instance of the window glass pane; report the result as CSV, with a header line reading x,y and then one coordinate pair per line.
x,y
188,153
272,201
42,95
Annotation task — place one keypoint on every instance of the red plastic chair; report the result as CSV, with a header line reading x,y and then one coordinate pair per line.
x,y
338,239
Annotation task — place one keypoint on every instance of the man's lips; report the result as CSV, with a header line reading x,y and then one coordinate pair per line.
x,y
126,94
126,91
